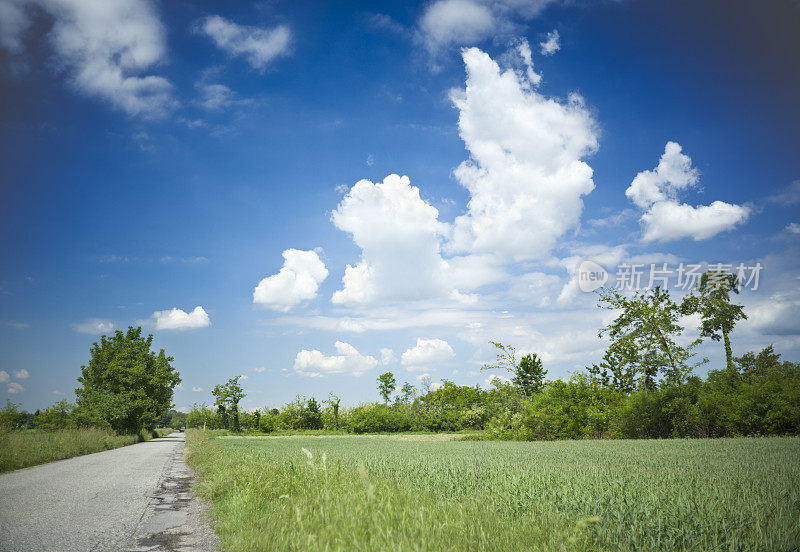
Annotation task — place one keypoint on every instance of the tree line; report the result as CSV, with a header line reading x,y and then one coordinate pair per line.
x,y
644,386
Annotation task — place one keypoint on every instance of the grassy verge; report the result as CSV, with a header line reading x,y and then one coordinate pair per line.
x,y
383,494
20,449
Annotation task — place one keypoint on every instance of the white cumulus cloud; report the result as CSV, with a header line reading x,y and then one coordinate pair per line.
x,y
525,174
4,377
21,374
14,388
94,326
664,219
400,238
347,361
258,46
297,281
177,319
104,48
197,389
426,352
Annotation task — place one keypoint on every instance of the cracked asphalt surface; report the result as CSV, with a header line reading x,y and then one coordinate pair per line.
x,y
134,498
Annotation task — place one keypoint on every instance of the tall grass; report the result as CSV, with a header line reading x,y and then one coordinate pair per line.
x,y
20,449
351,493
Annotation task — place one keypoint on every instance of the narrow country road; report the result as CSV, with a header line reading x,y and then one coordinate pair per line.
x,y
133,498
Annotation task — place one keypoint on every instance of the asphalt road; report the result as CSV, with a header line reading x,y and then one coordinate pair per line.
x,y
132,498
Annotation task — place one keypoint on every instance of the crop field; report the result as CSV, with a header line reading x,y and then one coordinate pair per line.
x,y
394,493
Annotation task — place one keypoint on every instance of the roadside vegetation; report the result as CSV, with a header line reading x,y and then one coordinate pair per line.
x,y
125,393
20,449
384,493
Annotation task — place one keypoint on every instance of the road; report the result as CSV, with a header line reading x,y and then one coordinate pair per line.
x,y
133,498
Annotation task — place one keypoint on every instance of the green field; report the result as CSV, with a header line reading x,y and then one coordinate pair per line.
x,y
428,493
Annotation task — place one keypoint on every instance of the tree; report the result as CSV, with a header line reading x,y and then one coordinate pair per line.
x,y
386,385
334,401
125,386
227,397
407,393
310,415
529,375
643,336
712,300
55,417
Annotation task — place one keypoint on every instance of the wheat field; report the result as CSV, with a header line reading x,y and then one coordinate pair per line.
x,y
379,494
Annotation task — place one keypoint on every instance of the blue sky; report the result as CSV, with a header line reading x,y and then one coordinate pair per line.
x,y
170,155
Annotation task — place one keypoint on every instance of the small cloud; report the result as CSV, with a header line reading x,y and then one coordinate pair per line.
x,y
21,374
94,326
788,197
184,260
17,325
14,388
259,369
56,392
425,352
4,377
383,22
370,160
258,46
177,319
297,281
197,389
551,45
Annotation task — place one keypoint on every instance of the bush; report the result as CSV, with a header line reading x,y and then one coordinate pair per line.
x,y
378,418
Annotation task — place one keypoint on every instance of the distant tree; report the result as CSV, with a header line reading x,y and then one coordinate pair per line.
x,y
718,316
125,386
311,416
334,401
643,336
11,417
529,375
227,397
386,385
407,393
56,416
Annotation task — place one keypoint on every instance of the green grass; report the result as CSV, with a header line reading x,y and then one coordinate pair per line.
x,y
20,449
393,494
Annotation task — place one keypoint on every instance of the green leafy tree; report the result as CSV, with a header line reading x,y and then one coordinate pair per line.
x,y
386,385
11,418
529,375
643,336
718,315
125,386
227,397
311,416
334,401
407,393
56,417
